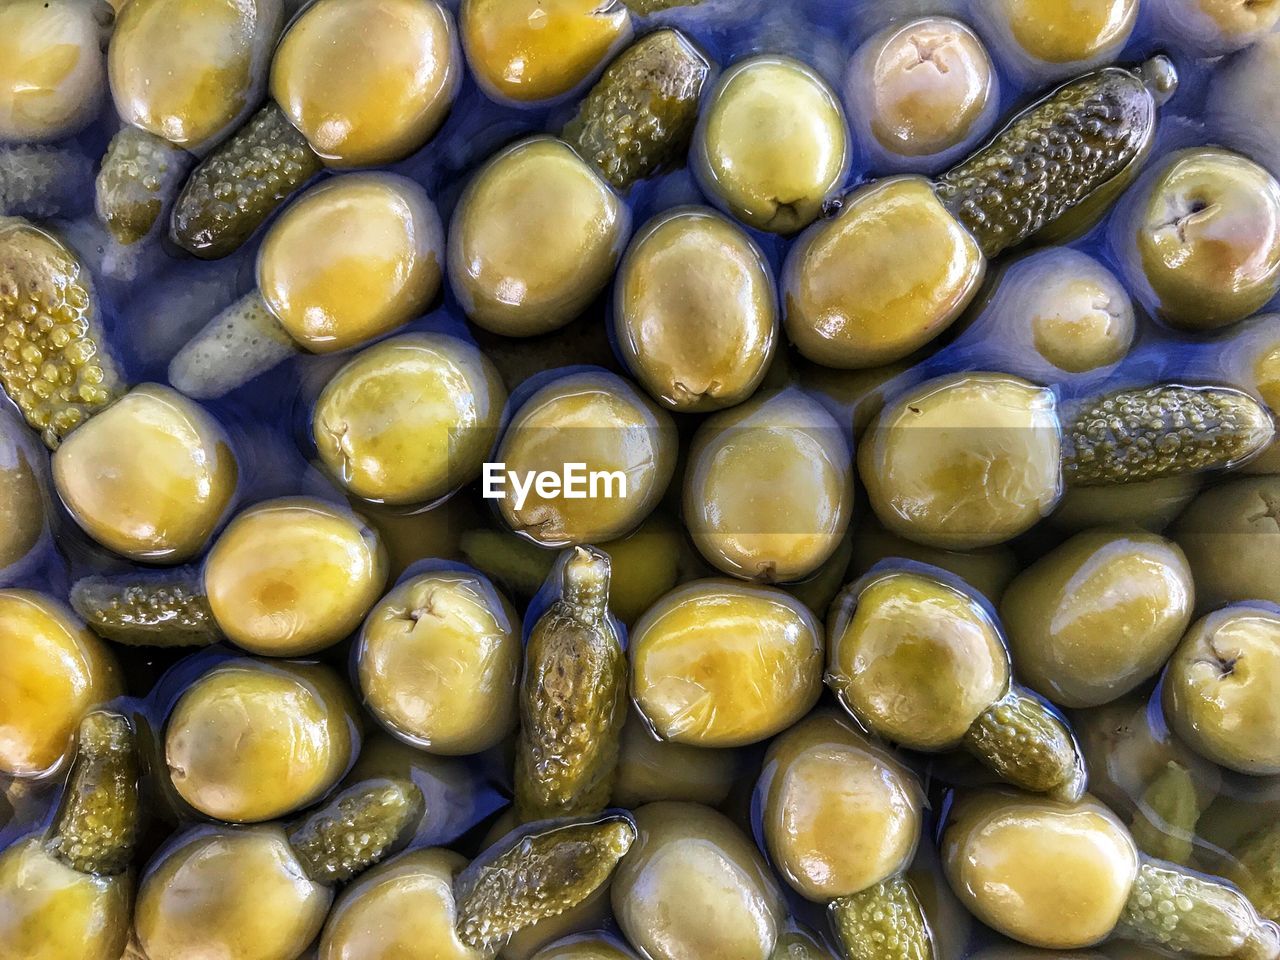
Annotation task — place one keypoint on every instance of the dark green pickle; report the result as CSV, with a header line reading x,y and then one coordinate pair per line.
x,y
141,610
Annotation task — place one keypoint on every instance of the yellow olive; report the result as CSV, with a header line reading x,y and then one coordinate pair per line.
x,y
1049,874
150,477
1222,689
882,278
1249,357
1211,27
22,507
585,946
368,82
1053,38
535,237
779,181
964,461
693,885
695,311
1149,504
401,910
623,448
252,740
354,258
768,492
646,564
1231,536
189,71
915,658
52,672
841,814
438,661
1097,616
292,576
650,769
717,663
987,569
410,419
526,51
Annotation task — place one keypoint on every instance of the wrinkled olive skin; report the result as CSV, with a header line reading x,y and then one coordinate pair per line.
x,y
22,505
1098,615
529,51
693,886
535,237
292,576
409,419
1212,27
150,477
1231,536
601,420
1049,39
915,659
354,258
650,769
254,740
1023,864
739,462
717,663
987,569
368,82
401,910
1222,689
438,661
965,461
1149,504
586,946
52,672
880,279
231,894
822,780
695,311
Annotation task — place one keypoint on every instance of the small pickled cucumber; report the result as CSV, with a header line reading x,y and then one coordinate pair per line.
x,y
1027,745
640,114
1257,870
1164,824
242,342
355,830
884,922
140,174
1162,431
167,609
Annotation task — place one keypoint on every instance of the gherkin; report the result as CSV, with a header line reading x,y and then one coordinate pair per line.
x,y
140,174
883,922
1257,868
1020,739
355,830
166,609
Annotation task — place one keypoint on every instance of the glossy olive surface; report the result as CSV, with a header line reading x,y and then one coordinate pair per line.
x,y
1231,536
1056,39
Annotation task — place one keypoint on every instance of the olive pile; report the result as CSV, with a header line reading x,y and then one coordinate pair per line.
x,y
919,595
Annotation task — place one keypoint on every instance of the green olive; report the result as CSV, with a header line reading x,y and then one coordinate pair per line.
x,y
1149,504
694,886
585,946
1231,536
695,311
1097,616
650,769
1212,27
718,663
987,569
22,506
1048,39
739,462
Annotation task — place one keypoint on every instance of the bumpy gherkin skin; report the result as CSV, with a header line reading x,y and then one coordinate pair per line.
x,y
239,185
1168,811
356,829
641,112
53,361
167,609
1258,869
1055,154
1021,740
1162,431
571,699
140,174
883,922
537,873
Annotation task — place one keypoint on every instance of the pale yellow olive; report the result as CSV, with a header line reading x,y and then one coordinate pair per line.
x,y
535,237
22,505
693,886
965,461
354,258
254,740
292,576
585,946
368,82
1049,874
987,569
150,477
1149,504
52,672
718,663
695,311
1212,27
1248,355
651,769
1231,536
1051,38
881,278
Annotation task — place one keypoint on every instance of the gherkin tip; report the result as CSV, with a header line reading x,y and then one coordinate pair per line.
x,y
584,583
1160,77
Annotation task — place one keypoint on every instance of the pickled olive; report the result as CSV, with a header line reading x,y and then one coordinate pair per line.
x,y
922,663
640,115
586,946
1231,536
52,672
169,609
995,849
988,569
537,872
410,419
438,662
22,506
624,442
572,698
1212,27
535,237
1151,504
254,740
693,886
53,360
965,461
1244,114
779,182
531,51
695,311
650,769
292,576
1097,616
718,663
1044,38
739,461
